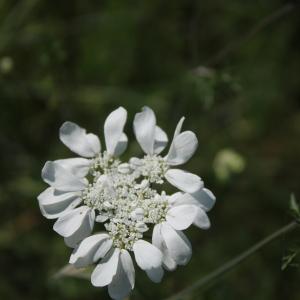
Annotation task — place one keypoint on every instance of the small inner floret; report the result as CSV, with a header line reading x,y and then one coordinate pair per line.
x,y
124,199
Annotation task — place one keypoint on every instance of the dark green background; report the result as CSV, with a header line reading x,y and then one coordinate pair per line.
x,y
78,60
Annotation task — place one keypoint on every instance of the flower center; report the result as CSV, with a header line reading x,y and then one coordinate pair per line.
x,y
154,168
123,197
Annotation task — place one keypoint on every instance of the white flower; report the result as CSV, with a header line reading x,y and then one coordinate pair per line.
x,y
124,199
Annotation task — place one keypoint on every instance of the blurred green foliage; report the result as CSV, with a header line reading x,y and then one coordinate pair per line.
x,y
78,60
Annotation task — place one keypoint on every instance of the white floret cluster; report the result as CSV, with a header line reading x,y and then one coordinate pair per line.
x,y
122,196
127,199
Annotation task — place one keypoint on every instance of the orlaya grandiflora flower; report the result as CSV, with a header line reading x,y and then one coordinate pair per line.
x,y
125,198
66,177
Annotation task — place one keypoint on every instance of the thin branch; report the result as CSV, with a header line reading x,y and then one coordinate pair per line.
x,y
234,262
262,24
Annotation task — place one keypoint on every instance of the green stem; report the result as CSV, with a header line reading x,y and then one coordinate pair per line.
x,y
234,262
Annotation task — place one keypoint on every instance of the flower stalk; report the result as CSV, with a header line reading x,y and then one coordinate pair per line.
x,y
212,276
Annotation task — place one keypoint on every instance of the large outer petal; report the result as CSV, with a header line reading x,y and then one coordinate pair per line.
x,y
205,198
78,166
176,133
144,125
77,140
183,147
121,145
147,256
177,244
113,129
160,140
123,282
175,198
62,179
128,267
106,269
102,250
201,219
84,254
182,216
157,240
183,180
70,223
82,232
155,274
54,203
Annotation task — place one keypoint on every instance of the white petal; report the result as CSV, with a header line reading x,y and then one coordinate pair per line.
x,y
128,267
177,243
174,198
73,240
205,197
160,140
157,240
182,216
186,199
76,138
201,219
82,232
60,178
69,223
94,143
147,256
102,250
168,262
183,180
176,132
83,255
178,127
54,203
144,125
119,288
77,166
184,146
155,274
106,269
123,282
113,128
121,145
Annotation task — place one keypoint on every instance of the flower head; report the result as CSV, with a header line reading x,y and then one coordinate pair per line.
x,y
126,199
